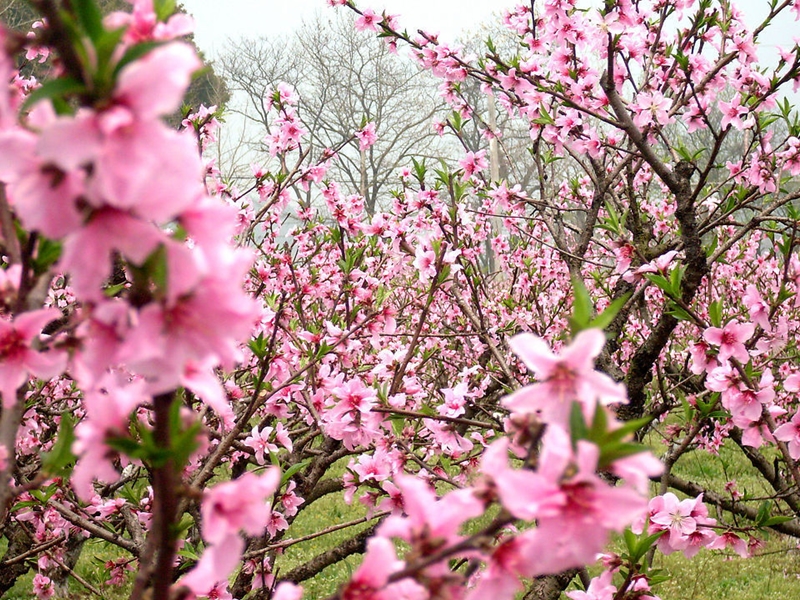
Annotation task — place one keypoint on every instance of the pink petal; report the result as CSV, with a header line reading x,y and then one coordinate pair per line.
x,y
155,85
535,353
216,564
70,143
713,335
586,346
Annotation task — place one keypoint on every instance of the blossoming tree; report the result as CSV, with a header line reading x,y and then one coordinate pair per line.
x,y
186,367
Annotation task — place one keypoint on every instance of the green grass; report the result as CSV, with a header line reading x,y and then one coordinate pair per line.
x,y
90,568
324,513
773,574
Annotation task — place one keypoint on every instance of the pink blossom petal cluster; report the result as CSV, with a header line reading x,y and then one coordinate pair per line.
x,y
686,523
227,509
562,379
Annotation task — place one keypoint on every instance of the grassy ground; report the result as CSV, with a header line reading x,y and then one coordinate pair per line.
x,y
773,574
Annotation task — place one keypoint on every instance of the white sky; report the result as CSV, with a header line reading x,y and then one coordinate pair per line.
x,y
217,20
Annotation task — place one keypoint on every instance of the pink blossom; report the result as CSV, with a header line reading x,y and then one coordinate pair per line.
x,y
43,587
758,309
238,505
350,419
18,359
366,136
733,113
702,359
473,162
637,470
43,196
651,108
371,579
425,263
730,539
216,563
287,591
108,409
790,432
572,532
142,25
154,85
659,265
368,20
227,508
600,588
562,379
429,518
524,493
686,521
675,516
731,339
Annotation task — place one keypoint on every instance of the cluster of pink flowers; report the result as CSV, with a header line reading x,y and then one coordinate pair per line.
x,y
575,510
379,338
227,509
118,184
686,523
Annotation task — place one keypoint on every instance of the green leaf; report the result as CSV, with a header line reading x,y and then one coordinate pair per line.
x,y
688,410
675,277
612,452
577,424
419,169
54,90
776,520
60,455
258,345
456,121
180,528
599,423
112,291
135,52
605,318
164,9
89,17
712,247
631,541
127,446
189,552
288,473
645,544
185,443
628,429
715,313
679,313
582,307
108,42
661,283
398,424
763,512
43,495
47,253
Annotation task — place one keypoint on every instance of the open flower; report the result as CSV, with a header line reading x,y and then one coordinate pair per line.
x,y
731,339
17,357
562,379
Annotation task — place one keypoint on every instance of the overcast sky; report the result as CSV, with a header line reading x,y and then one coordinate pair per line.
x,y
217,20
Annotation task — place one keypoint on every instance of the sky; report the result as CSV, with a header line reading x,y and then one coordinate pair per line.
x,y
217,20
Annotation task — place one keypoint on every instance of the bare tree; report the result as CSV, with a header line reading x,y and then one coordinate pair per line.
x,y
345,78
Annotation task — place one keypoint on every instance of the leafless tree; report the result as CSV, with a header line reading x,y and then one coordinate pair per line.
x,y
345,78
